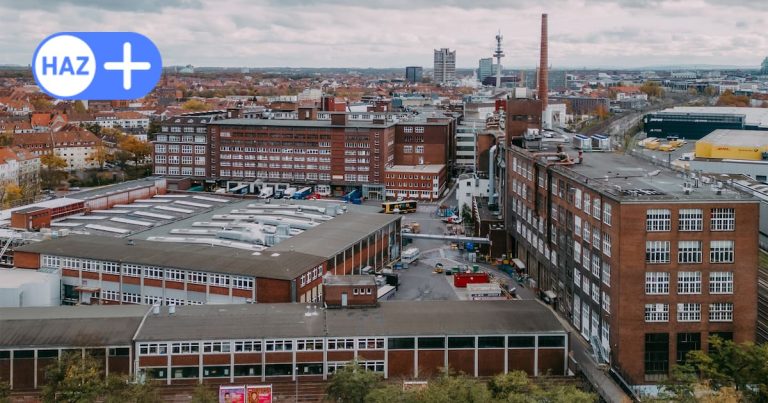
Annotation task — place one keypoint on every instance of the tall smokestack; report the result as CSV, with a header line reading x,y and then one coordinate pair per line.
x,y
543,65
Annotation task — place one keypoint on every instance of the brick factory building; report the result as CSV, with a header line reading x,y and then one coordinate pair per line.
x,y
163,250
646,263
338,152
273,343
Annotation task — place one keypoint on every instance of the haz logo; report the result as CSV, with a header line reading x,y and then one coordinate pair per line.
x,y
97,65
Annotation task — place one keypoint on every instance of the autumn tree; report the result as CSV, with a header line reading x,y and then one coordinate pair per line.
x,y
194,105
728,98
41,104
602,112
79,107
53,170
11,194
652,89
138,149
94,128
101,155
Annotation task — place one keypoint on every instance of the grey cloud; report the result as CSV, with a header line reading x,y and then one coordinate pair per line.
x,y
110,5
418,4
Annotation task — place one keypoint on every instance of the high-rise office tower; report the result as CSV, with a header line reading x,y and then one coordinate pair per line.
x,y
414,74
445,65
485,69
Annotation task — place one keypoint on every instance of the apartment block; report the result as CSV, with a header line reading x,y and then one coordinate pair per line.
x,y
182,147
644,263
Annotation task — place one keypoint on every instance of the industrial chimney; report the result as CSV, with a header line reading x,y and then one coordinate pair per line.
x,y
543,65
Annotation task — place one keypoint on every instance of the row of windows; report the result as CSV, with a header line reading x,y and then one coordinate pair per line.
x,y
251,370
175,149
721,219
720,251
689,282
689,312
186,171
150,272
348,344
311,276
412,149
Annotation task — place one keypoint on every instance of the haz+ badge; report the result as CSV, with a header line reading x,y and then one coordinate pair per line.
x,y
97,65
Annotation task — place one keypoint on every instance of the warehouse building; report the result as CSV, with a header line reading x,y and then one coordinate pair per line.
x,y
742,152
163,250
287,342
696,122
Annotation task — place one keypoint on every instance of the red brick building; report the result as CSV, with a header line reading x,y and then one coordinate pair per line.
x,y
642,262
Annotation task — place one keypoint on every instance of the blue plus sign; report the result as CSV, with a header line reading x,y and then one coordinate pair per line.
x,y
127,66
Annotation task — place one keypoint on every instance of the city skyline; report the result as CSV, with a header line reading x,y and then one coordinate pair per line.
x,y
339,33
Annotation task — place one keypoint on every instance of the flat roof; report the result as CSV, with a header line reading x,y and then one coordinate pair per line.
x,y
753,116
71,326
92,193
284,265
426,168
392,318
627,177
334,236
352,279
298,123
737,138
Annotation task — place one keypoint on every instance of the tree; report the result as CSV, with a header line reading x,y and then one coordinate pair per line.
x,y
139,150
352,383
79,107
101,155
710,91
52,173
741,367
194,105
11,194
41,104
515,386
728,98
652,89
153,129
5,392
601,112
80,379
447,388
204,394
94,128
73,379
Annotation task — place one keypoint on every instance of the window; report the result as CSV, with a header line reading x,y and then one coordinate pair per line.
x,y
278,370
247,346
596,208
521,341
407,149
658,220
606,272
279,345
595,292
689,282
419,149
401,343
607,244
606,302
689,312
721,282
576,252
551,341
341,344
587,203
370,344
723,219
431,342
576,198
687,342
587,233
657,251
689,252
461,342
576,276
656,353
185,348
216,347
153,348
721,312
248,370
656,283
690,220
721,251
309,345
185,372
607,213
489,342
656,312
577,226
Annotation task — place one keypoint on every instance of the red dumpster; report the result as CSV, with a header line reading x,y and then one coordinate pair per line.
x,y
461,280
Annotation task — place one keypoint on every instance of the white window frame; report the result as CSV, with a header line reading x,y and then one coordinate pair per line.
x,y
658,220
657,283
689,312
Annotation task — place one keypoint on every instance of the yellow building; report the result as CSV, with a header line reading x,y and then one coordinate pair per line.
x,y
734,144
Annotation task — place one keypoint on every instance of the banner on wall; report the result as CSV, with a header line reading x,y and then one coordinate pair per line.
x,y
258,394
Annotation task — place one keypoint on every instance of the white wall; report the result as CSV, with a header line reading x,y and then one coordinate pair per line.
x,y
21,287
470,186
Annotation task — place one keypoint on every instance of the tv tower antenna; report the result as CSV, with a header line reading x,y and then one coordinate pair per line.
x,y
498,54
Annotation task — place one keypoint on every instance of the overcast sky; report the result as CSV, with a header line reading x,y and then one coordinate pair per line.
x,y
396,33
